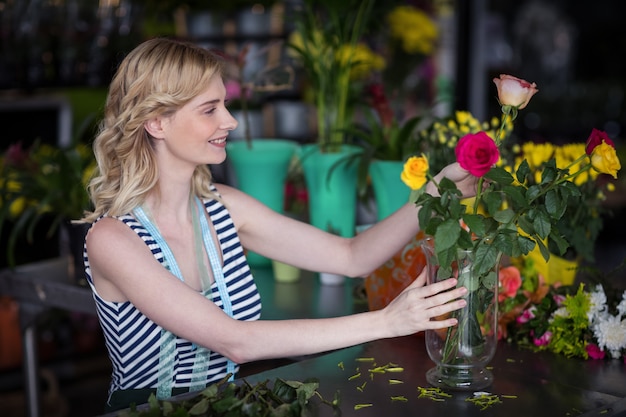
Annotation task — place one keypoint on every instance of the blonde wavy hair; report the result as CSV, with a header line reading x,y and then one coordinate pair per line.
x,y
155,79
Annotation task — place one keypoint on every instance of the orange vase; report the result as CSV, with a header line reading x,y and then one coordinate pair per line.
x,y
384,284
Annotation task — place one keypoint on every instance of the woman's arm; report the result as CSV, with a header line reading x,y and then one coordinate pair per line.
x,y
307,247
120,261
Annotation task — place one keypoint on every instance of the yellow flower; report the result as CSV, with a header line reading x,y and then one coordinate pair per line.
x,y
464,117
415,172
537,153
17,207
362,60
414,29
605,160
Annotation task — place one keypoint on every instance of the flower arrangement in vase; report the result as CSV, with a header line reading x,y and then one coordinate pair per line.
x,y
516,215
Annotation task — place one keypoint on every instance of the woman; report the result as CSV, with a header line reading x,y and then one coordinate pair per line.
x,y
164,257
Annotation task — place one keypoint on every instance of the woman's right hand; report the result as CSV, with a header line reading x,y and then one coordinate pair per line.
x,y
414,309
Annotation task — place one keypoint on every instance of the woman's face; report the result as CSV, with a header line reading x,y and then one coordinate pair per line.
x,y
197,132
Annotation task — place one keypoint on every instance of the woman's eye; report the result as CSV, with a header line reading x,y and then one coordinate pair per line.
x,y
210,111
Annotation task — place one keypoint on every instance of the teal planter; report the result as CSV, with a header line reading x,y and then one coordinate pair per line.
x,y
390,192
261,172
331,180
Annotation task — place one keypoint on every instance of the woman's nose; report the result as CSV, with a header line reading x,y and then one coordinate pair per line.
x,y
229,123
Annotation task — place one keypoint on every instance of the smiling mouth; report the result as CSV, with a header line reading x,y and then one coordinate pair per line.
x,y
218,141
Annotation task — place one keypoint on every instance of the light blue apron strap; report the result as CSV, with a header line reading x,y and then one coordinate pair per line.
x,y
167,340
218,273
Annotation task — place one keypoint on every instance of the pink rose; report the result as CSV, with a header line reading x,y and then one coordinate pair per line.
x,y
510,281
477,153
526,315
558,299
596,138
594,351
513,91
543,340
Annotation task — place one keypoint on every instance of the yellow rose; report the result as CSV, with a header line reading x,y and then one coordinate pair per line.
x,y
415,172
605,160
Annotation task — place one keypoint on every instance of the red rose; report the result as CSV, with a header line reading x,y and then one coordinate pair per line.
x,y
595,138
477,153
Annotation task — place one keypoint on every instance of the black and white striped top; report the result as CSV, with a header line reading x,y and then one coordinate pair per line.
x,y
134,341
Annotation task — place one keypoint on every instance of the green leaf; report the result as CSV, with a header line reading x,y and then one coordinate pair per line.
x,y
493,202
561,243
465,240
554,204
525,244
504,216
447,235
486,257
542,224
523,171
445,258
504,243
201,407
475,223
533,192
499,175
490,280
516,196
544,250
549,173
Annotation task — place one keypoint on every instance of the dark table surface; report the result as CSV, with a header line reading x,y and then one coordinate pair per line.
x,y
526,383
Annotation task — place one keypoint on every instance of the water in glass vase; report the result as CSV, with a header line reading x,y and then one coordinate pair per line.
x,y
462,352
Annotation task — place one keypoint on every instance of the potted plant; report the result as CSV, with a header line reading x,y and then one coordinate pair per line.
x,y
40,182
327,44
386,143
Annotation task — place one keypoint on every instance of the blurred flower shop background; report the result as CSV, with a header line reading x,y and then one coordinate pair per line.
x,y
355,88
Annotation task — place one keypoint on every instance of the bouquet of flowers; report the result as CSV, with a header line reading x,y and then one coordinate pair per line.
x,y
566,320
517,213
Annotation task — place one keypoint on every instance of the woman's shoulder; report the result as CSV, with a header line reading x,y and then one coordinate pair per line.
x,y
108,230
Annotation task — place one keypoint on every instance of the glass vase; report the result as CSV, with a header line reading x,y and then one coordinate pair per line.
x,y
461,353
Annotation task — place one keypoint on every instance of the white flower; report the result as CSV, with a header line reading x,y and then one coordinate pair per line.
x,y
560,312
621,307
597,304
610,332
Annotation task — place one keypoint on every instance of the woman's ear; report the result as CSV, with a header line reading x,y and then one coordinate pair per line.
x,y
154,127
